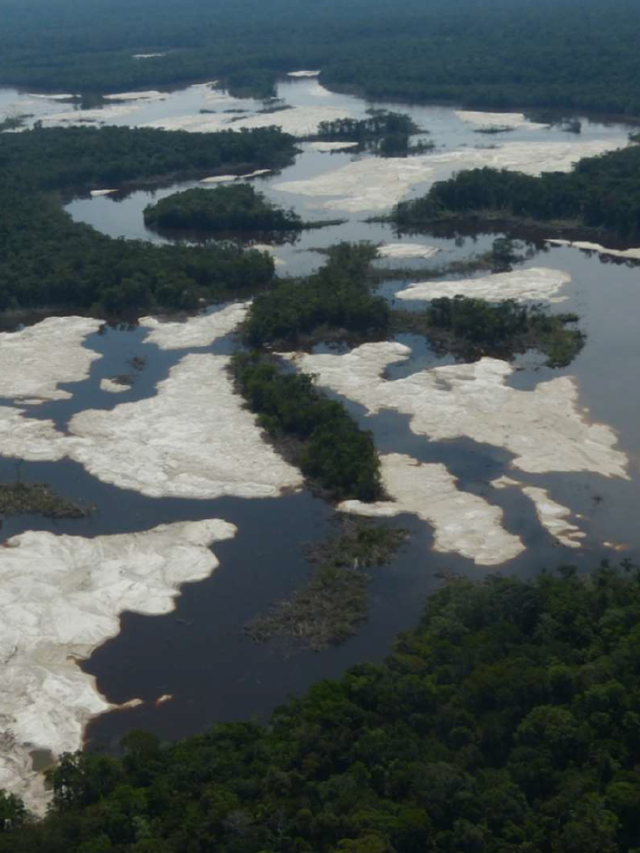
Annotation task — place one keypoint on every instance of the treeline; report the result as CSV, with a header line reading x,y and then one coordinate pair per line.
x,y
506,722
497,55
49,261
234,208
380,123
330,449
600,192
84,158
336,301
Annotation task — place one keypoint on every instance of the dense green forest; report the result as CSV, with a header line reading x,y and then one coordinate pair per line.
x,y
336,301
506,722
318,434
569,54
600,193
234,208
82,158
47,260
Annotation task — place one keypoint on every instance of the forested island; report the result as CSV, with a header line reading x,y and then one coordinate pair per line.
x,y
496,55
600,193
384,132
49,261
506,721
238,207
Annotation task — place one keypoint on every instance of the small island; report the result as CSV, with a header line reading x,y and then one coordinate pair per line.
x,y
385,133
238,207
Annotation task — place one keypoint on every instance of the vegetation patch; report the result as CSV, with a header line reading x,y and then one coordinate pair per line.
x,y
335,303
600,193
328,610
472,328
384,132
314,433
22,498
234,208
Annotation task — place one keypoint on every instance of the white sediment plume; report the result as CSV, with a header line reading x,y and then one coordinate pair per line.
x,y
533,284
553,516
546,429
375,183
113,387
303,73
463,523
196,331
34,361
194,439
332,146
61,598
407,251
98,193
514,121
585,246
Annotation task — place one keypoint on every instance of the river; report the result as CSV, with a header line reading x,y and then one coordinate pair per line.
x,y
197,654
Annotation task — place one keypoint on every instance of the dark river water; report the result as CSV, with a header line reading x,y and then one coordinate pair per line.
x,y
198,654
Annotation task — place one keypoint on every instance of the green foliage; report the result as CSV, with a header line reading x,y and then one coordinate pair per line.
x,y
331,449
83,158
499,55
471,328
47,260
506,721
335,300
234,208
380,123
601,192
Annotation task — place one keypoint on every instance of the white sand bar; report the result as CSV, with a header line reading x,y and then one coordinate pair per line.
x,y
196,331
585,246
113,387
332,146
534,284
61,597
375,183
514,121
299,121
545,429
407,251
304,73
99,193
34,361
553,516
193,439
463,523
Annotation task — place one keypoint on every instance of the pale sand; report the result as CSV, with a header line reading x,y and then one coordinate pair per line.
x,y
463,523
515,121
378,183
303,73
61,597
626,254
195,331
553,516
407,251
34,361
194,439
533,284
546,429
332,146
